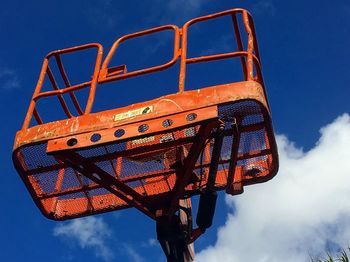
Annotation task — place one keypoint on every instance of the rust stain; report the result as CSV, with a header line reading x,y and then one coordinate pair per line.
x,y
156,142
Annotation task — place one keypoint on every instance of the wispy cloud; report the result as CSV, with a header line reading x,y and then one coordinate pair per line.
x,y
132,254
175,11
90,232
266,7
187,5
303,211
151,242
103,13
9,80
222,44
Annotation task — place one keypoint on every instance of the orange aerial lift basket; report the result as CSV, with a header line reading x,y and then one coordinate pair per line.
x,y
153,155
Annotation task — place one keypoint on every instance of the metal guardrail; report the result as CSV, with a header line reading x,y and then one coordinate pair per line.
x,y
250,62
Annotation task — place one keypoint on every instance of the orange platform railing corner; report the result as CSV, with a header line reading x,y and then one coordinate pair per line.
x,y
154,155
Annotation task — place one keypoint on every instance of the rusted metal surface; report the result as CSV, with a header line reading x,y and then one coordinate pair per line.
x,y
102,74
131,130
163,106
154,154
69,89
251,53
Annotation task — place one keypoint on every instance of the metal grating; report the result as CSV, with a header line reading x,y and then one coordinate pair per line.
x,y
149,172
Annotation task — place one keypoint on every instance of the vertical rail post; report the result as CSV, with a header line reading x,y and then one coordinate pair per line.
x,y
36,92
183,60
250,46
94,81
239,43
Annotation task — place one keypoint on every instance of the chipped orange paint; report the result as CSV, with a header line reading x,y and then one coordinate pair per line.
x,y
181,171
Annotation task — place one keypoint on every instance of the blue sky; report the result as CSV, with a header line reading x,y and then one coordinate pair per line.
x,y
305,52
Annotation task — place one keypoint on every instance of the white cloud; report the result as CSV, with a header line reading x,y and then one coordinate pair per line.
x,y
9,80
303,211
89,232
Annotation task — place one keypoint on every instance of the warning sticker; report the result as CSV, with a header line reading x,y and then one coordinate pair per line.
x,y
143,140
132,113
166,138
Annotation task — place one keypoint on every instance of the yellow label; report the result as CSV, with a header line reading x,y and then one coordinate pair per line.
x,y
143,140
132,113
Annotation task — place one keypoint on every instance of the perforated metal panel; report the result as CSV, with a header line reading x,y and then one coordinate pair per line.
x,y
148,164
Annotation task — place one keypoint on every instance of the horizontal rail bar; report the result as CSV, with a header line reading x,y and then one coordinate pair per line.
x,y
61,91
37,94
219,57
249,68
73,49
60,97
212,16
101,75
104,77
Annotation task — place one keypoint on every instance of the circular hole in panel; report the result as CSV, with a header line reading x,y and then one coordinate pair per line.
x,y
191,117
95,137
143,128
119,132
146,110
72,142
167,122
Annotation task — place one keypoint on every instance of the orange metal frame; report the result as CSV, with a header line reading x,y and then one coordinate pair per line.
x,y
152,154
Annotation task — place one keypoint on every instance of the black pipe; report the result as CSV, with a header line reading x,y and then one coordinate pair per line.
x,y
207,200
